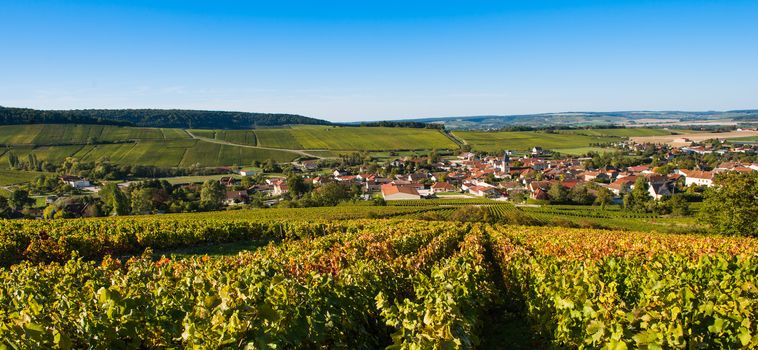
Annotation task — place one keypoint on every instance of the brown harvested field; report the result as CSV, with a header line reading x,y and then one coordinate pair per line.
x,y
697,137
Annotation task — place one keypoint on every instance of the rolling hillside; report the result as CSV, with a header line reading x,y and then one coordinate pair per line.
x,y
354,138
173,147
566,141
167,118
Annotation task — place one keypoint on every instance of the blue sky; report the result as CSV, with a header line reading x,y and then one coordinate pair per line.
x,y
366,60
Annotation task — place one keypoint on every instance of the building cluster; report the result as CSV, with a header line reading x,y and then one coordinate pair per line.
x,y
504,177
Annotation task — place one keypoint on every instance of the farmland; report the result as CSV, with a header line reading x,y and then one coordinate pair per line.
x,y
182,152
353,138
56,134
525,140
565,141
701,136
367,283
620,132
241,137
176,147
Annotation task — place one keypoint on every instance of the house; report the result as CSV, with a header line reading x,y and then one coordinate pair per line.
x,y
370,186
246,172
347,178
539,194
279,188
638,169
658,190
392,192
623,185
592,175
537,150
75,181
438,187
696,177
309,166
416,177
227,181
235,197
483,191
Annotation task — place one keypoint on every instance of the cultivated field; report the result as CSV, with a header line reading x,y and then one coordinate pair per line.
x,y
353,138
694,137
368,283
242,137
620,132
525,140
57,134
183,152
564,141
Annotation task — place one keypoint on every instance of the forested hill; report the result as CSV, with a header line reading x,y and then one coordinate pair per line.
x,y
166,118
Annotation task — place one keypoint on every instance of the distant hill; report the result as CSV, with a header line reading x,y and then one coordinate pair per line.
x,y
578,119
165,118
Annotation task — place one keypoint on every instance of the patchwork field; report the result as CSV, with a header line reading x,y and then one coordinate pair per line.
x,y
56,134
564,141
702,136
525,140
242,137
353,138
158,153
621,132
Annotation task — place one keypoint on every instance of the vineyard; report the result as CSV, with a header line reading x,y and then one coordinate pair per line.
x,y
371,283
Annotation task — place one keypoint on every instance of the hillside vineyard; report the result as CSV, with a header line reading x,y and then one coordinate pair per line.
x,y
374,283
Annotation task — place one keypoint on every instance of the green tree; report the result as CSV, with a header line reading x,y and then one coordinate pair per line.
x,y
116,202
731,207
212,194
558,193
678,205
603,197
330,194
12,160
639,199
581,195
49,211
20,198
246,182
4,206
296,185
142,200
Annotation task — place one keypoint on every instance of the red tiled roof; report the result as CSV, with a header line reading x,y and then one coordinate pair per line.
x,y
388,189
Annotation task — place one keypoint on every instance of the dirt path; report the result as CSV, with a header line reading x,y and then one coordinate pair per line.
x,y
222,142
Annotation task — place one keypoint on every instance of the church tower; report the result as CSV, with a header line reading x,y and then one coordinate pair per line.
x,y
506,163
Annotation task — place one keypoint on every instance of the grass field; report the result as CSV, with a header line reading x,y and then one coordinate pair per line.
x,y
11,177
242,137
524,140
171,153
564,141
353,138
178,180
697,137
578,151
56,134
621,132
748,139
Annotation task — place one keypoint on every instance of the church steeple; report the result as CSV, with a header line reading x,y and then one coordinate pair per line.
x,y
506,163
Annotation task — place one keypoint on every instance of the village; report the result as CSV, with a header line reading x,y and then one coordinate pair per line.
x,y
535,177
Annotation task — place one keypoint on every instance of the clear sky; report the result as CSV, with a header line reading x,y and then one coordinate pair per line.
x,y
366,60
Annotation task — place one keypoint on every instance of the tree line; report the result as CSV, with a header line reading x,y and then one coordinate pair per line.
x,y
166,118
